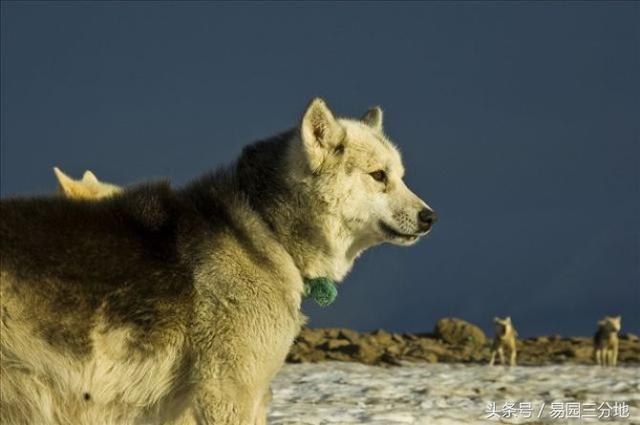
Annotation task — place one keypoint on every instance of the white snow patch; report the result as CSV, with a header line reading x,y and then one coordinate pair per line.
x,y
351,393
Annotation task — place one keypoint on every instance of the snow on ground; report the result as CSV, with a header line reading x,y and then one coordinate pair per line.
x,y
352,393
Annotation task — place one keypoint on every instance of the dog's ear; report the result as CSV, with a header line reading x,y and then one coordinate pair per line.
x,y
71,188
373,118
89,177
320,132
507,319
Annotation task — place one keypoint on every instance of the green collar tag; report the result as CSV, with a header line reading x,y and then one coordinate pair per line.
x,y
321,289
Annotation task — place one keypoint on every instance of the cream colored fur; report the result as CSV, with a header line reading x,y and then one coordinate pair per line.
x,y
89,187
505,338
607,341
96,192
122,390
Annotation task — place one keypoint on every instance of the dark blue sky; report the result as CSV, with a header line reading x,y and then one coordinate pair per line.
x,y
518,123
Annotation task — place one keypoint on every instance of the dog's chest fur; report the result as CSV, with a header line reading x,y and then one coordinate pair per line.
x,y
605,337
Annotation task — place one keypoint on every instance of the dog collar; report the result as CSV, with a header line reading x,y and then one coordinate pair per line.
x,y
321,289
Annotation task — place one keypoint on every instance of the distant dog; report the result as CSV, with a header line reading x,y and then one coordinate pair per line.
x,y
605,341
505,337
87,188
152,302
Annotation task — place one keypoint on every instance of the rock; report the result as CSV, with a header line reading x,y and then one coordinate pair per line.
x,y
411,337
430,358
431,346
389,359
420,354
382,337
459,332
349,349
395,350
294,357
338,356
454,340
316,356
397,338
349,335
311,357
332,332
334,344
583,353
369,353
312,336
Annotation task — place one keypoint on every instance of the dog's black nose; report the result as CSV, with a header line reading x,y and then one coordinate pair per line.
x,y
426,218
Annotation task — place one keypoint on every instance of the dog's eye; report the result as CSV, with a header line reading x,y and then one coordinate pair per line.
x,y
379,175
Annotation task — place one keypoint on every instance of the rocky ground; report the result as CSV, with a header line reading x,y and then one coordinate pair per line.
x,y
452,341
341,393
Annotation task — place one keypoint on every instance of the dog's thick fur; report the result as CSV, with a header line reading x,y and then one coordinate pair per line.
x,y
86,188
505,337
605,341
154,302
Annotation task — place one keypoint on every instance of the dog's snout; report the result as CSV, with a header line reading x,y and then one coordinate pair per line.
x,y
426,218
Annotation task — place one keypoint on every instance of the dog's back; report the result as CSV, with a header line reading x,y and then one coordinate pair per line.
x,y
87,265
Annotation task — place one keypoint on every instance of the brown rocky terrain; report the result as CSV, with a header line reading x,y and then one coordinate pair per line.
x,y
452,341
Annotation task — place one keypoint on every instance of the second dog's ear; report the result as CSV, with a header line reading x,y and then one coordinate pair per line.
x,y
89,177
373,118
320,132
71,188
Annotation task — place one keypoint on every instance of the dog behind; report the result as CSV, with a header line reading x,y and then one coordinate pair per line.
x,y
605,341
505,338
89,187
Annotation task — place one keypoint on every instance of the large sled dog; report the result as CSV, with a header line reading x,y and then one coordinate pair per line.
x,y
145,304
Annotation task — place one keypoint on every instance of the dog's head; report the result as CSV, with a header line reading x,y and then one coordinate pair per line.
x,y
359,173
611,323
89,187
502,325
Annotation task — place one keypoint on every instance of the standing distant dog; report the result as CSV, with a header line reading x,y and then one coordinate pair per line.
x,y
140,306
605,341
89,187
505,337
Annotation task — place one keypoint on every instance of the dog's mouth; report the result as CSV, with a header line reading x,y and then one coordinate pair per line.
x,y
394,234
